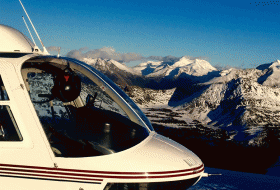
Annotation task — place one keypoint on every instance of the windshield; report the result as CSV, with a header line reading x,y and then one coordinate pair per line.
x,y
117,90
82,112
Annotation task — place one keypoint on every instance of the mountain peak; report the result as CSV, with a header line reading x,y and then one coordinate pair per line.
x,y
105,64
271,77
147,67
182,62
275,64
196,67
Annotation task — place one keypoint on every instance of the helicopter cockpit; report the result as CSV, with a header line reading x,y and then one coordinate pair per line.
x,y
82,112
59,117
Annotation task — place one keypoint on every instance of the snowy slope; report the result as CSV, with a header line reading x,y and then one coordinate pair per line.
x,y
195,67
145,97
272,75
106,65
118,72
236,100
236,91
232,180
242,101
147,67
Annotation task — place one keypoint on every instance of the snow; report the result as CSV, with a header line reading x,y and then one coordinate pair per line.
x,y
273,75
105,63
150,97
235,89
234,98
274,169
225,77
232,180
162,70
275,64
146,67
121,66
196,67
148,63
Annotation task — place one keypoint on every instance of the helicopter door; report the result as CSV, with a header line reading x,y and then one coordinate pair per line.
x,y
24,154
8,127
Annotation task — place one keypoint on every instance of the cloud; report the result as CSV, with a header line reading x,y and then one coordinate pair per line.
x,y
167,59
199,57
222,67
111,53
83,49
104,53
172,59
53,48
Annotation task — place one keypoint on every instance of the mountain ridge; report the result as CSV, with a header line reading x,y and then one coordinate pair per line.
x,y
240,101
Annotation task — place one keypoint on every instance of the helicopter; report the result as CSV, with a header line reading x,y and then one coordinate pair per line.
x,y
65,125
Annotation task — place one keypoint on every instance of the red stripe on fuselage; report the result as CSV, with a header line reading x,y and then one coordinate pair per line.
x,y
51,176
32,170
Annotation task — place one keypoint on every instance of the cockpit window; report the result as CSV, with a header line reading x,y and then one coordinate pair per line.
x,y
143,119
3,92
101,99
8,128
80,116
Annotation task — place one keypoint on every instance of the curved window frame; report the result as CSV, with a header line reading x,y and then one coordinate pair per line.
x,y
133,113
116,92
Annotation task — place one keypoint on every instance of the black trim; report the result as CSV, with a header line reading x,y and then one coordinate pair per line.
x,y
13,55
178,185
48,179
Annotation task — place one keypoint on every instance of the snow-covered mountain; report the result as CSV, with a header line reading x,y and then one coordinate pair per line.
x,y
156,75
194,67
118,72
147,68
191,91
235,99
272,74
109,65
148,97
241,101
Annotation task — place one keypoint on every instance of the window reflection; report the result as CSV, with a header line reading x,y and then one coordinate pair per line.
x,y
3,92
8,128
80,128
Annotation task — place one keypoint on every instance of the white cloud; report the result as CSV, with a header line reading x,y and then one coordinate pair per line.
x,y
53,48
104,53
111,53
167,59
222,67
172,59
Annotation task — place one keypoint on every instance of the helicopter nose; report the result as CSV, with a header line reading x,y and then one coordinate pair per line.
x,y
164,163
179,151
163,154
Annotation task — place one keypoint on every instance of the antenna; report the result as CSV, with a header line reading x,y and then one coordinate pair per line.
x,y
44,48
29,31
58,52
36,49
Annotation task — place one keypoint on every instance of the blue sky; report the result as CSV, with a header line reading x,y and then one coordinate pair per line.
x,y
234,33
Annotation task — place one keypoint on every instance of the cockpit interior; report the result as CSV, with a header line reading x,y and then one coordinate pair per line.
x,y
78,113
